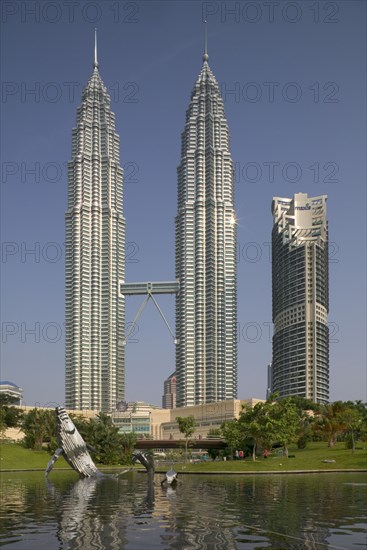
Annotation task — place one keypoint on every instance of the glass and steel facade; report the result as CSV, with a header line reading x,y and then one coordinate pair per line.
x,y
95,257
300,291
206,305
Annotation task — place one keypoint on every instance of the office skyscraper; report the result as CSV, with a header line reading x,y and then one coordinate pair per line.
x,y
95,256
169,392
206,306
300,363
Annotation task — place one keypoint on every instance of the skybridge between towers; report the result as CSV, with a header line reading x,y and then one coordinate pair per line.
x,y
148,289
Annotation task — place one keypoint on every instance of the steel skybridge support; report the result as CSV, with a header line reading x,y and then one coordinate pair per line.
x,y
165,287
148,289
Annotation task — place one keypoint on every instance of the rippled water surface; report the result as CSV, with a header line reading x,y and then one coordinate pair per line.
x,y
210,512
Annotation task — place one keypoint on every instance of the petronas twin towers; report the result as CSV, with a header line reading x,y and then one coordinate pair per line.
x,y
206,310
95,257
206,356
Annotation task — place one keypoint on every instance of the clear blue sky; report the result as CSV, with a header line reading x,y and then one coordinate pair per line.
x,y
293,82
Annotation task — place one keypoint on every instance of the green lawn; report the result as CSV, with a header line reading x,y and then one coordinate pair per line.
x,y
305,459
13,456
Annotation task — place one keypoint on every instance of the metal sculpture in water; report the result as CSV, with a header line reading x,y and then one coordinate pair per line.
x,y
74,449
146,459
171,478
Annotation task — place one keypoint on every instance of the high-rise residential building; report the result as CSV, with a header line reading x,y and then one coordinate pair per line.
x,y
206,305
95,256
300,364
169,392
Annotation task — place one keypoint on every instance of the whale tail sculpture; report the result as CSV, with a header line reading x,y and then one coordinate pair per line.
x,y
146,459
72,447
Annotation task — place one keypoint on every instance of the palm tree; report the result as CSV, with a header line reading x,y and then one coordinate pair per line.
x,y
36,428
128,442
329,422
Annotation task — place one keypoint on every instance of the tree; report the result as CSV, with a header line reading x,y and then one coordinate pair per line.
x,y
329,422
128,441
82,425
288,420
39,426
104,440
214,433
259,424
11,416
352,419
232,431
304,429
255,426
50,420
187,428
106,444
2,423
304,404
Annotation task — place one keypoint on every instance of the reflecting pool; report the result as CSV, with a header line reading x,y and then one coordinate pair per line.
x,y
280,512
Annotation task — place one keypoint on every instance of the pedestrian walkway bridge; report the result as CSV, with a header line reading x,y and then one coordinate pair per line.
x,y
180,443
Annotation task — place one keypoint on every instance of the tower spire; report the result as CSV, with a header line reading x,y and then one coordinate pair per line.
x,y
205,56
95,62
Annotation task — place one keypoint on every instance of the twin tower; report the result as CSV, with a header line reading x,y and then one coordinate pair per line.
x,y
206,302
